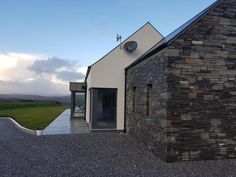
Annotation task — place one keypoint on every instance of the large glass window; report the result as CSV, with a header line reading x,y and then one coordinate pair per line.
x,y
103,108
78,104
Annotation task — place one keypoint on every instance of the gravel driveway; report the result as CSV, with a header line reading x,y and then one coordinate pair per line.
x,y
102,154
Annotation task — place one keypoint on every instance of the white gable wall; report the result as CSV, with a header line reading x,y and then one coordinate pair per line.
x,y
109,71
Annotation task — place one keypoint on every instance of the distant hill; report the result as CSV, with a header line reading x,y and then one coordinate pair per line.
x,y
17,97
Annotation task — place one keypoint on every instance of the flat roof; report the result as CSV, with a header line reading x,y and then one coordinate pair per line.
x,y
77,87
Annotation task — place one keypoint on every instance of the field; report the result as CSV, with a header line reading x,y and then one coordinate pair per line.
x,y
30,114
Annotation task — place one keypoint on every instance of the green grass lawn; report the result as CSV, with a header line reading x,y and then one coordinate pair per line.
x,y
32,115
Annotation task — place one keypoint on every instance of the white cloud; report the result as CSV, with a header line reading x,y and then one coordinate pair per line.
x,y
52,65
7,63
63,69
82,70
22,56
13,66
31,74
35,87
70,75
9,59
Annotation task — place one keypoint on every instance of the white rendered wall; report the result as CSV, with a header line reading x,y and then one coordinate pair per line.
x,y
109,72
87,113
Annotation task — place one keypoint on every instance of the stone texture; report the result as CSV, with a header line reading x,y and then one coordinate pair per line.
x,y
197,42
186,117
197,120
149,129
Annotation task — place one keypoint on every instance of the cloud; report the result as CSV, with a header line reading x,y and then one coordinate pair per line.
x,y
62,69
31,74
13,66
10,59
70,75
53,65
38,86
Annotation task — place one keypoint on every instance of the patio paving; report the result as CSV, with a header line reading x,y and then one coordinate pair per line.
x,y
64,125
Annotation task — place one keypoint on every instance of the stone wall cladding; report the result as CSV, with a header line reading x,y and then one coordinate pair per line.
x,y
194,85
151,129
201,112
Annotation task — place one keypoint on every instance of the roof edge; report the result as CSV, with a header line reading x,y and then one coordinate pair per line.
x,y
167,41
147,23
147,55
155,29
191,22
87,73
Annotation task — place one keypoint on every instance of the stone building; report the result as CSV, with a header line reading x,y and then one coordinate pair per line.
x,y
181,95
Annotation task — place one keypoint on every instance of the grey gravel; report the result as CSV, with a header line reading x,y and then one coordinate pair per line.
x,y
101,154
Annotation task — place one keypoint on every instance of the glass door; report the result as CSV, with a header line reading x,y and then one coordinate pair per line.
x,y
103,108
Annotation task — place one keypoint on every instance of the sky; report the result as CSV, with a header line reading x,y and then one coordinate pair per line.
x,y
44,44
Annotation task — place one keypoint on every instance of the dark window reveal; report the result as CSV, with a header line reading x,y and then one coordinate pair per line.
x,y
134,95
149,99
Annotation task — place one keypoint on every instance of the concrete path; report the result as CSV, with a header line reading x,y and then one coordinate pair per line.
x,y
64,125
92,154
